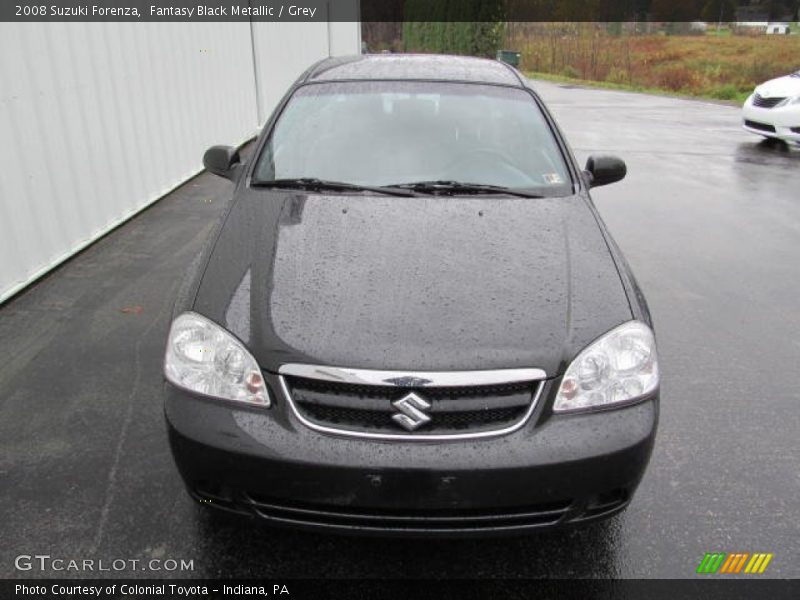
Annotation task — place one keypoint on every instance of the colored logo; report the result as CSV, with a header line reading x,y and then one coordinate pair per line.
x,y
735,562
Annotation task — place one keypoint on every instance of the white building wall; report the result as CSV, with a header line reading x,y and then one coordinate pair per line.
x,y
345,38
99,120
278,44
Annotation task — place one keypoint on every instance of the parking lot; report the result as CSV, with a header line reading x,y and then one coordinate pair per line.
x,y
709,219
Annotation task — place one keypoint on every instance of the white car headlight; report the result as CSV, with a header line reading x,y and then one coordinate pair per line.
x,y
619,366
202,357
789,101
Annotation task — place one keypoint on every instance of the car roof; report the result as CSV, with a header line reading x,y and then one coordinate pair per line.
x,y
414,66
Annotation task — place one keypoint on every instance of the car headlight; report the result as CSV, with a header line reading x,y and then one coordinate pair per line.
x,y
788,101
202,357
619,366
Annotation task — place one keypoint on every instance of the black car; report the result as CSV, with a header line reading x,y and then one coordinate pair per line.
x,y
411,318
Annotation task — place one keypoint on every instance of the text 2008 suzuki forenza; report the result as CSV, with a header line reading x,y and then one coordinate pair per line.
x,y
411,318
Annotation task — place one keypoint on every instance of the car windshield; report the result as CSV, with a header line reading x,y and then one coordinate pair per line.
x,y
381,133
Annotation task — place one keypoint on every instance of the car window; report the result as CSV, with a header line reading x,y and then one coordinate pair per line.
x,y
392,132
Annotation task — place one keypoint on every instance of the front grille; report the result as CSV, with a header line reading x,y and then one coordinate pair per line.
x,y
451,520
282,511
367,409
763,102
604,504
759,126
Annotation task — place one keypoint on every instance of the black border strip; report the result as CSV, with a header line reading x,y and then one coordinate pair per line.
x,y
657,11
703,587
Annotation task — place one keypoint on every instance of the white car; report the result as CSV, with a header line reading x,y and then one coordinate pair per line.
x,y
773,109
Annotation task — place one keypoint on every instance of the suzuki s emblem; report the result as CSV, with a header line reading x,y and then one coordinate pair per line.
x,y
411,416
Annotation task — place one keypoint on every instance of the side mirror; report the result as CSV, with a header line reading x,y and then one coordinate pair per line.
x,y
603,170
223,161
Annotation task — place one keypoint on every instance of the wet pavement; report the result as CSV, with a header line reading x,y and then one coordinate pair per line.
x,y
709,219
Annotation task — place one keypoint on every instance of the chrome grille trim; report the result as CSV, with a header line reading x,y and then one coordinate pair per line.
x,y
434,379
431,378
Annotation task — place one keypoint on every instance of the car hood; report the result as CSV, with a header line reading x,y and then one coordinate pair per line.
x,y
782,87
416,284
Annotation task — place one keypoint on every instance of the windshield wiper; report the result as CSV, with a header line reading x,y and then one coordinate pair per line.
x,y
460,187
319,185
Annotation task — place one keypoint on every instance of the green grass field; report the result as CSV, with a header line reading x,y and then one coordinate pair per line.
x,y
739,99
721,67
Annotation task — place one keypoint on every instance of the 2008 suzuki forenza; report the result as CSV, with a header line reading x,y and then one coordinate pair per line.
x,y
411,319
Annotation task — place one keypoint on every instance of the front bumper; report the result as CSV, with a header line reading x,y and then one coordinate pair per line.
x,y
780,123
555,470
